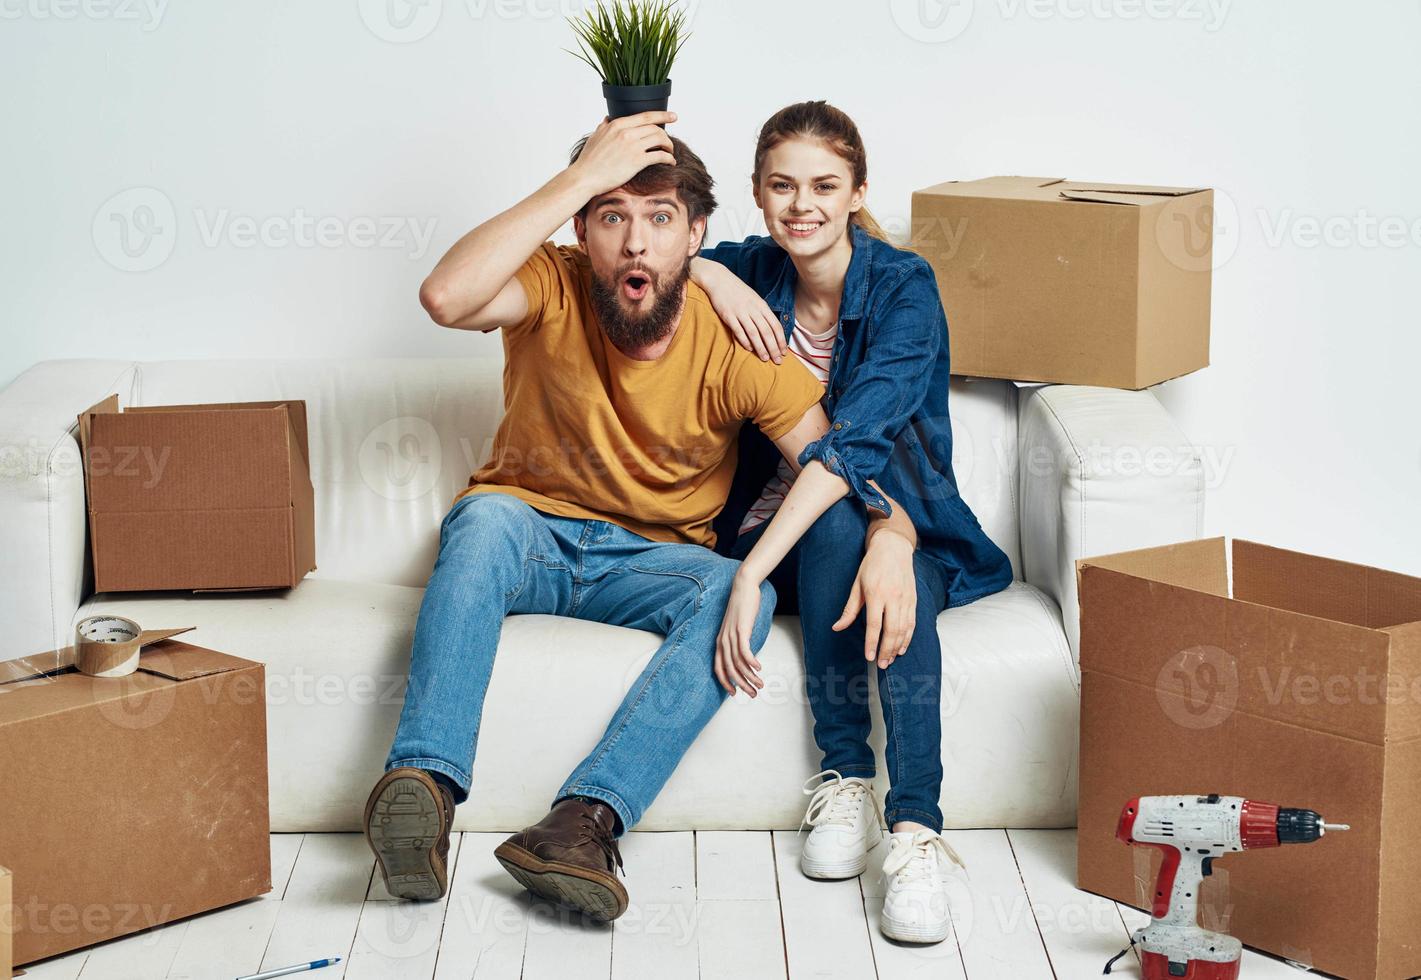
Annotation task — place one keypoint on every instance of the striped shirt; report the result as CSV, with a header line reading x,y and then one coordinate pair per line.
x,y
814,351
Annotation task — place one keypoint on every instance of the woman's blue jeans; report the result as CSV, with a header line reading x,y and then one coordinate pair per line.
x,y
817,576
499,556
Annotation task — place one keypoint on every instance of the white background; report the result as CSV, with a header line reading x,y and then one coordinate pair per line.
x,y
360,117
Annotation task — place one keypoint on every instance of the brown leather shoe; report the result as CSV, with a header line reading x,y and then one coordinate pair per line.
x,y
407,822
570,857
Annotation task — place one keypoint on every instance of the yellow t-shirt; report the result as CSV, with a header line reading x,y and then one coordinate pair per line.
x,y
589,432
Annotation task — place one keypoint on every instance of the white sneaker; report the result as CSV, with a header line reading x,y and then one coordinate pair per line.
x,y
915,904
844,814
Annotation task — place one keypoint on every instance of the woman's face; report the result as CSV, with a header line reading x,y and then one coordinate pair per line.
x,y
806,192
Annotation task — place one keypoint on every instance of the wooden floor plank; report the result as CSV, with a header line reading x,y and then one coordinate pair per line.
x,y
995,930
141,956
735,864
486,921
563,942
398,939
321,910
714,905
656,936
65,967
918,961
826,932
231,941
739,931
739,938
1081,931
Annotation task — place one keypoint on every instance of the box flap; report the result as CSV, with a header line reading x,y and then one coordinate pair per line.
x,y
1200,565
39,696
181,661
295,407
1131,194
1324,587
166,461
171,659
108,406
1403,719
1009,187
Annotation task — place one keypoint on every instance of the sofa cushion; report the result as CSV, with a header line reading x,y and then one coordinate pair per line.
x,y
337,654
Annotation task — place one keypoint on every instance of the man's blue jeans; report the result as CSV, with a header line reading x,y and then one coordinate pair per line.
x,y
499,556
819,572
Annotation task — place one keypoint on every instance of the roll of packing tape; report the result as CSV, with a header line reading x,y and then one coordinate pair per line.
x,y
108,646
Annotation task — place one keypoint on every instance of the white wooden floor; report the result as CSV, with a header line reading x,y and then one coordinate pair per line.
x,y
706,905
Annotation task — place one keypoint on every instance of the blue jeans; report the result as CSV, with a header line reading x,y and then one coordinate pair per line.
x,y
818,573
499,556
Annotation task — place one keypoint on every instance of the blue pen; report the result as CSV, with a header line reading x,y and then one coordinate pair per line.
x,y
298,968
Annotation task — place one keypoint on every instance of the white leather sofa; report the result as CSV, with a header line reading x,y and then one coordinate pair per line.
x,y
1054,474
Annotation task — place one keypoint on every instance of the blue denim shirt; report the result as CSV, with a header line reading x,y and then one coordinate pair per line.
x,y
886,400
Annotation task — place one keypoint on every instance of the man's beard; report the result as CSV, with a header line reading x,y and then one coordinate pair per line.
x,y
633,331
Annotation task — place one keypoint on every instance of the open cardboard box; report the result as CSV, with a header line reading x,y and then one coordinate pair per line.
x,y
130,801
1069,281
198,497
1299,686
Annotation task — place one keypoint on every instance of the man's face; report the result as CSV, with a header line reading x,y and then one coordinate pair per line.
x,y
640,248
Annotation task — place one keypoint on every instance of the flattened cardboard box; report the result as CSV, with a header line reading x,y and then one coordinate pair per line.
x,y
1045,279
1302,687
131,801
200,497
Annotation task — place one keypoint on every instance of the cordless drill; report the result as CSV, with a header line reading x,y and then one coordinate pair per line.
x,y
1192,831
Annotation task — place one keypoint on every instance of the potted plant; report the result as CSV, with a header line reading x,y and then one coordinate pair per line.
x,y
632,46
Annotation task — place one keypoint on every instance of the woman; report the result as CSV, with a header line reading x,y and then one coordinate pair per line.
x,y
872,521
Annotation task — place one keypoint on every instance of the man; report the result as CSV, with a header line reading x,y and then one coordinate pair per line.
x,y
623,395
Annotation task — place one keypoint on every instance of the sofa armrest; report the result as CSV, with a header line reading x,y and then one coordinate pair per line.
x,y
44,563
1101,470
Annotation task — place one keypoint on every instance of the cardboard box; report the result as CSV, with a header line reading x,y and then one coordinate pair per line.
x,y
132,801
1301,687
6,918
200,497
1045,279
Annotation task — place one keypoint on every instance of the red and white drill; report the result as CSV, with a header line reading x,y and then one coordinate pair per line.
x,y
1193,831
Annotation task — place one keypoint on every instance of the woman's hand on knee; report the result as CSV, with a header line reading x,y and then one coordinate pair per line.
x,y
886,590
736,665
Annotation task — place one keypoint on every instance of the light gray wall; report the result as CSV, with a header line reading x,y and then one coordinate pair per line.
x,y
368,134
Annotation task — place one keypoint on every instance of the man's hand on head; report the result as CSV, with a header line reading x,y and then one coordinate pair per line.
x,y
619,149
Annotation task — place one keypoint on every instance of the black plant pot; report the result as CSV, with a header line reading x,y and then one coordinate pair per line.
x,y
628,100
